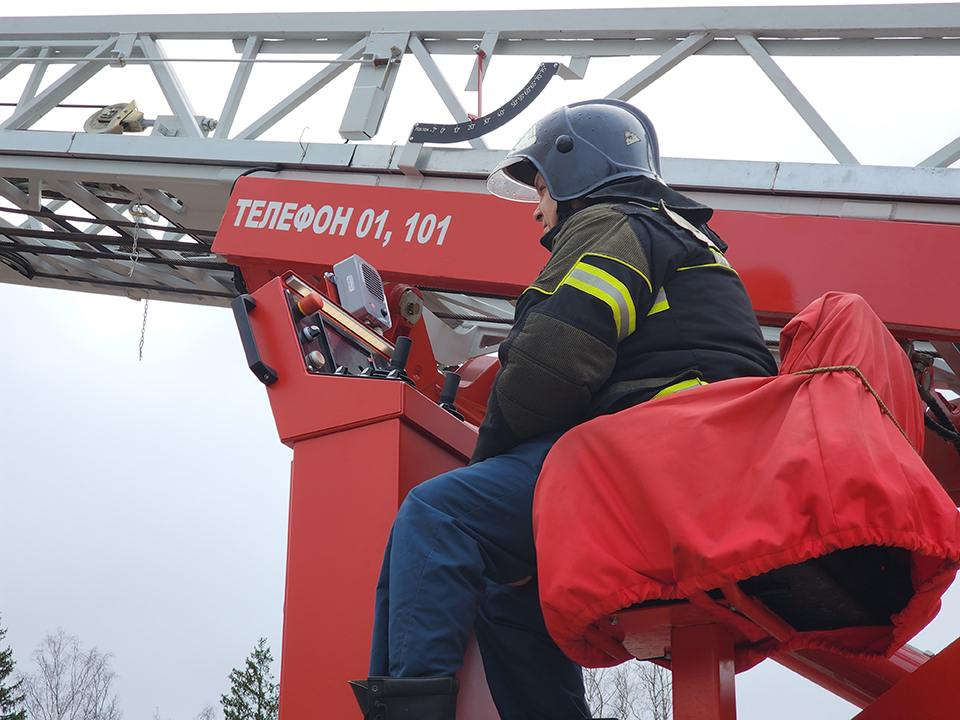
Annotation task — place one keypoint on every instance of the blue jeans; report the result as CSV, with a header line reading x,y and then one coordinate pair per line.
x,y
456,541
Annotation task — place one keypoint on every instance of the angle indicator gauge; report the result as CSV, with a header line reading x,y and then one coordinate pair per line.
x,y
472,129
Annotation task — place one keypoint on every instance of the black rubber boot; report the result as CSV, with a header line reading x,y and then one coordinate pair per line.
x,y
386,698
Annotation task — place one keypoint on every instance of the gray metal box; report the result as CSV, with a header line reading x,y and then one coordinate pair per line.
x,y
361,291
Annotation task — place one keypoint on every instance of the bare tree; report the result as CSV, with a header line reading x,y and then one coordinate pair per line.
x,y
597,691
208,713
631,691
70,683
656,689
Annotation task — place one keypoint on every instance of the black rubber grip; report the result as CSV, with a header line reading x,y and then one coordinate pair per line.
x,y
451,383
401,351
242,305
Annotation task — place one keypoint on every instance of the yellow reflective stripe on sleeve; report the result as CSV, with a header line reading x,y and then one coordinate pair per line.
x,y
621,293
575,280
660,303
677,387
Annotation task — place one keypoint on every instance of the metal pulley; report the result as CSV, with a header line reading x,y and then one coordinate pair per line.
x,y
116,119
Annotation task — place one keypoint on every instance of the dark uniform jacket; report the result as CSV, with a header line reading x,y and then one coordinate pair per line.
x,y
636,300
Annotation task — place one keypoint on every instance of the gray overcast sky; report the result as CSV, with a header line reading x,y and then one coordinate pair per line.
x,y
143,504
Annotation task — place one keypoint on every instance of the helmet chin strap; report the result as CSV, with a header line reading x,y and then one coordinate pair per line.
x,y
564,210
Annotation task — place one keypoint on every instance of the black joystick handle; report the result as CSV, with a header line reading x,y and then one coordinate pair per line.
x,y
451,383
401,351
398,361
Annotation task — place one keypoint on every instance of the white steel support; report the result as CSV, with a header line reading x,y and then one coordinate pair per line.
x,y
670,59
66,174
176,277
575,68
945,156
35,193
796,98
232,103
374,83
123,50
302,93
28,113
797,21
36,77
486,47
441,85
55,264
13,61
165,205
172,89
65,264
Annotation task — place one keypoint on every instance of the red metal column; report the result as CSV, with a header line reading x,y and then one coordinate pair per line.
x,y
359,445
703,673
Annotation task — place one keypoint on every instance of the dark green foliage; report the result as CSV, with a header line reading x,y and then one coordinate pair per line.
x,y
11,696
253,693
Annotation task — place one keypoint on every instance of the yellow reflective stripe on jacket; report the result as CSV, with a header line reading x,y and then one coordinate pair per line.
x,y
622,262
599,255
607,288
575,282
722,266
677,387
660,303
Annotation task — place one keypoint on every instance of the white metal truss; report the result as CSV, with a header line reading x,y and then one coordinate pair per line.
x,y
135,215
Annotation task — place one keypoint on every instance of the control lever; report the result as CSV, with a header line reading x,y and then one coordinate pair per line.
x,y
451,383
398,360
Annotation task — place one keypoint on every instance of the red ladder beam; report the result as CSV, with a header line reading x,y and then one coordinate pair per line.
x,y
929,693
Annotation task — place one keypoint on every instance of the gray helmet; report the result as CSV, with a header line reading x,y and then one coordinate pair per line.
x,y
578,148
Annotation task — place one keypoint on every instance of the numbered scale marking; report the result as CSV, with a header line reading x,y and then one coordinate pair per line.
x,y
472,129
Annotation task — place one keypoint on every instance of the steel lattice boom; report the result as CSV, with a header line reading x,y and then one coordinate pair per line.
x,y
134,214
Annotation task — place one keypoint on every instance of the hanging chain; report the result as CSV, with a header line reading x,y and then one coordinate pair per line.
x,y
143,327
137,211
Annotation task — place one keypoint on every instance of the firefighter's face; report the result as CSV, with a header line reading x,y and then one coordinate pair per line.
x,y
546,212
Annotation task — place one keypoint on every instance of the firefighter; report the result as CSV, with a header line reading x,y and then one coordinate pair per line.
x,y
637,301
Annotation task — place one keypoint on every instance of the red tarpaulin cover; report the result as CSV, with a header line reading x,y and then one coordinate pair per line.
x,y
720,483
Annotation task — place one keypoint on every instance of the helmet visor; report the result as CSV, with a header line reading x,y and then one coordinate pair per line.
x,y
508,180
512,178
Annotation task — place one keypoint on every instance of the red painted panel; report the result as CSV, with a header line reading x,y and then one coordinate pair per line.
x,y
930,692
430,238
490,246
906,271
